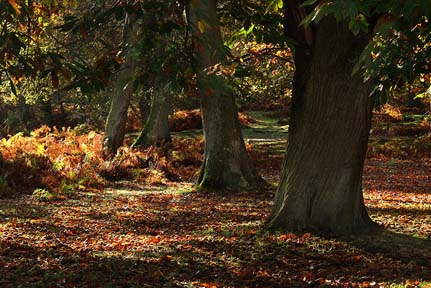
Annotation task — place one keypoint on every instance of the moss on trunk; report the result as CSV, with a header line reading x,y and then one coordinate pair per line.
x,y
156,129
226,163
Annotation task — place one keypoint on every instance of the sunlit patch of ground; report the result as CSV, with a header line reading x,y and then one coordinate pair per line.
x,y
398,194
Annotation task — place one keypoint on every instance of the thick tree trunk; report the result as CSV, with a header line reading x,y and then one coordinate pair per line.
x,y
320,188
122,91
226,163
156,129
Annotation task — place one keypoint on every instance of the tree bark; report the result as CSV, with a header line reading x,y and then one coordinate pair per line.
x,y
122,91
320,187
226,163
156,129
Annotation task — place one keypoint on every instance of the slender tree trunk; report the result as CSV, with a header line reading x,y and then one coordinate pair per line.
x,y
122,91
226,163
144,108
320,188
156,129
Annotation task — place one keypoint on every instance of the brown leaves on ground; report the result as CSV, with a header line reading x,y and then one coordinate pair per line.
x,y
172,237
191,119
178,160
131,235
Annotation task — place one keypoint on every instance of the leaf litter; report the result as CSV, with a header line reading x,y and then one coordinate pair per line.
x,y
153,230
164,238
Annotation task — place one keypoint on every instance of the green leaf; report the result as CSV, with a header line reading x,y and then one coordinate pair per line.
x,y
274,5
364,59
424,94
319,12
354,27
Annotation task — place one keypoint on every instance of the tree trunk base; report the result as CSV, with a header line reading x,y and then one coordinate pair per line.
x,y
361,226
225,179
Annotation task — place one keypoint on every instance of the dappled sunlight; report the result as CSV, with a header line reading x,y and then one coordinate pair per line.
x,y
398,195
172,236
134,232
130,129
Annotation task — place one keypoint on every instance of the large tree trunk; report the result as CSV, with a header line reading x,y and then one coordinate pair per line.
x,y
156,129
320,188
122,91
226,163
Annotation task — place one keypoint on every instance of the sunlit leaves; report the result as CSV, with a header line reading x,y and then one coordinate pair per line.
x,y
398,54
15,6
261,22
201,25
399,51
352,11
243,33
274,5
427,93
23,25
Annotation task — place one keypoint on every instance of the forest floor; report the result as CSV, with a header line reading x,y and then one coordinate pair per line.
x,y
136,235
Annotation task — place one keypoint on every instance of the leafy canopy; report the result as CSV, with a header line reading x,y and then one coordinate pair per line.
x,y
400,50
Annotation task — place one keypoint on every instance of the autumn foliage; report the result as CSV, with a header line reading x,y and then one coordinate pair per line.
x,y
59,160
134,218
191,119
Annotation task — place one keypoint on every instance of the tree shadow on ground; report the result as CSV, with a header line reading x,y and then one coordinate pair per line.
x,y
406,248
253,261
159,239
9,209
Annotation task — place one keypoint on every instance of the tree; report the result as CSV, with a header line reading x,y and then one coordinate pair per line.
x,y
156,129
320,187
155,49
122,90
226,163
29,64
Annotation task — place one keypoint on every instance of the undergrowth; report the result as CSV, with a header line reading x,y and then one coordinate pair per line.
x,y
63,161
